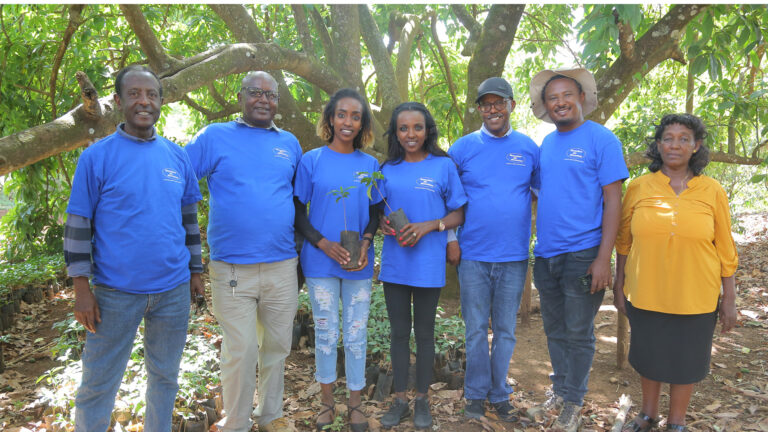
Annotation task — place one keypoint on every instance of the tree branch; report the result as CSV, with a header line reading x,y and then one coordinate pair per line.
x,y
210,115
302,28
91,107
159,60
239,22
346,38
410,31
626,36
659,43
385,72
74,22
638,158
446,67
471,24
322,31
490,55
220,99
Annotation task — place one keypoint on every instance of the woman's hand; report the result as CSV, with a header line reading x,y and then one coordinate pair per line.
x,y
413,232
386,225
619,300
728,314
363,262
334,251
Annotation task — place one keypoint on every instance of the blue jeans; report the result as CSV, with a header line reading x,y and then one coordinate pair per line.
x,y
355,296
107,352
568,311
490,290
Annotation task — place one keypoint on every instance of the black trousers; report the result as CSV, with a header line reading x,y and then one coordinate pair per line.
x,y
398,298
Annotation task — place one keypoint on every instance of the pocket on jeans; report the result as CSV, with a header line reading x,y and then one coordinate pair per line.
x,y
585,255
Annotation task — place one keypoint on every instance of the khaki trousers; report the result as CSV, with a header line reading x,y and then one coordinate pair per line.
x,y
256,317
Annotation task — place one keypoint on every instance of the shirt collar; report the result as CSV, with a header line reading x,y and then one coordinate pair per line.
x,y
485,131
271,127
125,134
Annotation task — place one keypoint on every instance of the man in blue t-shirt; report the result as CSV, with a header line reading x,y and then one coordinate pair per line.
x,y
249,165
132,227
496,165
582,169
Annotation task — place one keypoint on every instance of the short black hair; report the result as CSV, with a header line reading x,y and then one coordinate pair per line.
x,y
325,127
134,68
395,152
557,77
699,160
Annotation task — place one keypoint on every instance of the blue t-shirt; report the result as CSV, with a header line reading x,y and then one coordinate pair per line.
x,y
250,172
575,165
322,170
497,175
133,191
425,190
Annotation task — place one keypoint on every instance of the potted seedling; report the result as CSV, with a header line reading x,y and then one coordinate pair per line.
x,y
350,240
397,219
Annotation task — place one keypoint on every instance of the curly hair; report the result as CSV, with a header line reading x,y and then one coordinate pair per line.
x,y
134,68
395,152
325,127
699,159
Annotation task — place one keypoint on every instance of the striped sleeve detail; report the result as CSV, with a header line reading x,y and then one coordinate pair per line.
x,y
192,240
77,246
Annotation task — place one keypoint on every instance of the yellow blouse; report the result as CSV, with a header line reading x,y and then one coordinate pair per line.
x,y
678,247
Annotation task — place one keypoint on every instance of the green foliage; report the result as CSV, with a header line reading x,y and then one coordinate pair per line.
x,y
37,270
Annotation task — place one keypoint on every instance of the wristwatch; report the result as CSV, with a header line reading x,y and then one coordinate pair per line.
x,y
440,225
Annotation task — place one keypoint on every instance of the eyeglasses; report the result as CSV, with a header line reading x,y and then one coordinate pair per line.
x,y
486,107
257,93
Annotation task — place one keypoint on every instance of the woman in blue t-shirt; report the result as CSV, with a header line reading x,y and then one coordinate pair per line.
x,y
421,179
346,126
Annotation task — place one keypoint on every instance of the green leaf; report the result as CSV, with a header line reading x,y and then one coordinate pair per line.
x,y
707,25
758,178
117,40
714,68
699,65
725,105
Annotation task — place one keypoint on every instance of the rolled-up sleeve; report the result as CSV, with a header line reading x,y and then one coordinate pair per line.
x,y
77,246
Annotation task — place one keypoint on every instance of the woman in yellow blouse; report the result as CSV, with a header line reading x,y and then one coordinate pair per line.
x,y
674,252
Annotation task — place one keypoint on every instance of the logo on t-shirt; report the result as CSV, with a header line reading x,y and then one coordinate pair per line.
x,y
281,153
426,183
515,159
575,154
170,174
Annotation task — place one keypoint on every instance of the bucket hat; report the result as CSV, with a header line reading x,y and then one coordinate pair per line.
x,y
583,76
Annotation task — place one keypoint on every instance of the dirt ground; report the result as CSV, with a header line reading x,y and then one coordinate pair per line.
x,y
734,397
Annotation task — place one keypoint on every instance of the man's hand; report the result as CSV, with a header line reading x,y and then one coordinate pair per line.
x,y
453,253
600,270
86,307
334,250
196,288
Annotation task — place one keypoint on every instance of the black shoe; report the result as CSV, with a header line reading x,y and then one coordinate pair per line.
x,y
506,412
398,412
422,419
474,408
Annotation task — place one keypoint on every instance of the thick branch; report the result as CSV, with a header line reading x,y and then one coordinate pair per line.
x,y
239,22
159,60
659,43
626,36
74,22
411,30
210,115
91,107
471,24
385,72
346,40
638,158
302,28
322,31
490,55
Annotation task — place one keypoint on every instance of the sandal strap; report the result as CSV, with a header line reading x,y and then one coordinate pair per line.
x,y
676,427
355,408
634,424
328,408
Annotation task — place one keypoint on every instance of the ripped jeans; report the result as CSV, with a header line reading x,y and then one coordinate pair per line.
x,y
355,295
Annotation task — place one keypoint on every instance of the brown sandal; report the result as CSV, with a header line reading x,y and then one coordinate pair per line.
x,y
357,427
320,427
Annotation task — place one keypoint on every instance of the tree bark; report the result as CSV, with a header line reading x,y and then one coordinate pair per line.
x,y
659,43
494,42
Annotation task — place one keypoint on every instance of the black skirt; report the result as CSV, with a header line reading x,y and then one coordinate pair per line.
x,y
670,348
